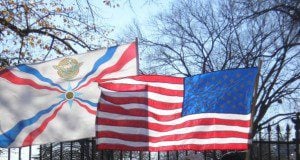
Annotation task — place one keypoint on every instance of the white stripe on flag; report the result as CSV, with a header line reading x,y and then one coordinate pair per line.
x,y
173,143
186,130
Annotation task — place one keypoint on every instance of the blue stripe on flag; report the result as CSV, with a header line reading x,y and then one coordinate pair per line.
x,y
107,56
36,73
88,102
9,136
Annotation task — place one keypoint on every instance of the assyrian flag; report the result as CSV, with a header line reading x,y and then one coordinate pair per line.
x,y
57,100
160,113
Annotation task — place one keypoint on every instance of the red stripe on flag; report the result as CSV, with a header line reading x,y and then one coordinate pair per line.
x,y
228,146
141,100
164,128
8,75
93,112
132,87
126,57
159,78
35,133
137,112
124,87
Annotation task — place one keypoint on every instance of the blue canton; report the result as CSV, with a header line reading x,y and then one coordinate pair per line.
x,y
228,91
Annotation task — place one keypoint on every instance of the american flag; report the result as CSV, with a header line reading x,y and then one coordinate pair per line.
x,y
159,113
57,100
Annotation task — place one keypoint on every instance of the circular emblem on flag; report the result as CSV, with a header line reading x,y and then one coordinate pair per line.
x,y
68,68
69,95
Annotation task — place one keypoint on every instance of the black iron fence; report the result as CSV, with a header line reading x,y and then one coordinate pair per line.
x,y
277,142
273,142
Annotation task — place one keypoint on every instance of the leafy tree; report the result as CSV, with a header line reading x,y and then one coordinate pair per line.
x,y
37,30
198,37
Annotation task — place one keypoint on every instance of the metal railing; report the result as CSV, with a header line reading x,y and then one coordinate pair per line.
x,y
278,142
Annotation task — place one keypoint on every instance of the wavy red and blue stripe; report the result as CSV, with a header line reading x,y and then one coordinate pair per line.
x,y
34,96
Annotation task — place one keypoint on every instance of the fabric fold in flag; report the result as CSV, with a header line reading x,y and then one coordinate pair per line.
x,y
57,100
159,113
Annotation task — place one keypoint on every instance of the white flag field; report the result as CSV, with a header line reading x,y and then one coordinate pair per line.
x,y
57,100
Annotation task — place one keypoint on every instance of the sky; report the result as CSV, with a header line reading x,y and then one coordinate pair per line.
x,y
124,15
